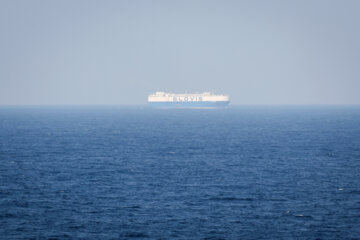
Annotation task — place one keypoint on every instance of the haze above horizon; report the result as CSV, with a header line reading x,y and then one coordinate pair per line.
x,y
118,52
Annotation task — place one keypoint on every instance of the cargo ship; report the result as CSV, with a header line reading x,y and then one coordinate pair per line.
x,y
185,100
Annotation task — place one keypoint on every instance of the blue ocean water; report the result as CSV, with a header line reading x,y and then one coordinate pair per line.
x,y
262,172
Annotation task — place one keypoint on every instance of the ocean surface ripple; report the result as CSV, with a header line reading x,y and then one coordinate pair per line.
x,y
270,172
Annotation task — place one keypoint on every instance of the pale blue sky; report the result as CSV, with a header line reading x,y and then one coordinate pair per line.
x,y
117,52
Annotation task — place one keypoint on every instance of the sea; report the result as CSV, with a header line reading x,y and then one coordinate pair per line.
x,y
133,172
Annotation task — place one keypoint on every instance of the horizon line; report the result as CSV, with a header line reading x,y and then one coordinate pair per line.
x,y
146,104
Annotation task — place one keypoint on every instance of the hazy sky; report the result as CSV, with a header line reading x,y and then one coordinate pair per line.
x,y
117,52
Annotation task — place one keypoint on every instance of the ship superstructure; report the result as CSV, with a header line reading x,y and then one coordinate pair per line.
x,y
185,100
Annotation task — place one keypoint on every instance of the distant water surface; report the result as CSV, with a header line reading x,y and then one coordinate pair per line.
x,y
276,172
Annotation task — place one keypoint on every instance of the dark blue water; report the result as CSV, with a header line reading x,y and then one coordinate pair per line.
x,y
138,173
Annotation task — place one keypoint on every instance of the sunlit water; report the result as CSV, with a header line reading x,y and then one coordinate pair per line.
x,y
133,172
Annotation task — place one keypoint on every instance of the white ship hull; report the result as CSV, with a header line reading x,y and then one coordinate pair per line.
x,y
196,100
